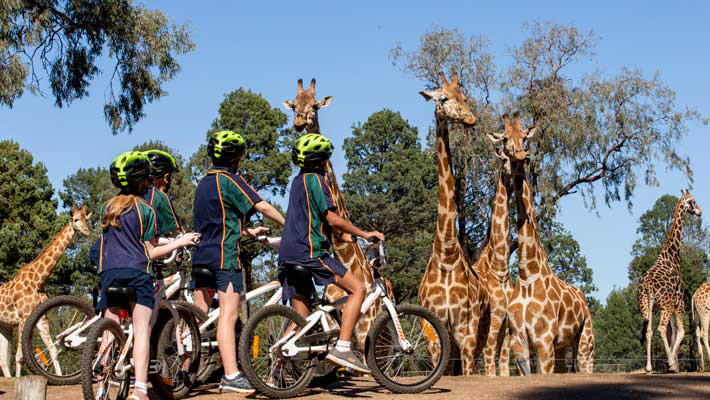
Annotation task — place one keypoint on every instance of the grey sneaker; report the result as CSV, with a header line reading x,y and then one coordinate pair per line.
x,y
348,360
238,384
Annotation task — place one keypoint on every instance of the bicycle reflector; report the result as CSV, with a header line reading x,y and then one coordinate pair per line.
x,y
428,331
255,347
122,314
41,357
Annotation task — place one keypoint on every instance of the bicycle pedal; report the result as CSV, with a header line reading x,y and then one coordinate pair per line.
x,y
154,367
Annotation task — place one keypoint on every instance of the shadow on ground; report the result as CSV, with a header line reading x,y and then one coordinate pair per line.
x,y
633,387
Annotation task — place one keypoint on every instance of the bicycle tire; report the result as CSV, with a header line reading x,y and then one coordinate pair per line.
x,y
162,339
209,358
246,351
378,327
28,337
89,351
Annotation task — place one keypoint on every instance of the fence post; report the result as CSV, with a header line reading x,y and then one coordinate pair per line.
x,y
32,387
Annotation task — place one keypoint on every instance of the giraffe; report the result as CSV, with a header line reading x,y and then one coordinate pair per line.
x,y
25,291
662,285
545,313
450,287
305,109
492,266
700,304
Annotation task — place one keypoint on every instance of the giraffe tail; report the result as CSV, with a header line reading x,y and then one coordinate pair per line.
x,y
692,309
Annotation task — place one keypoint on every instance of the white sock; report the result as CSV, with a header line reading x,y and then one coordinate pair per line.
x,y
142,386
342,345
232,376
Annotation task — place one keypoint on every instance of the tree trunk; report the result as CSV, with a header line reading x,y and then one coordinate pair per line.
x,y
32,387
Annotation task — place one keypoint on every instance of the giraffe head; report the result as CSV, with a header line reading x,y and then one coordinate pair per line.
x,y
688,204
512,140
450,101
79,218
305,107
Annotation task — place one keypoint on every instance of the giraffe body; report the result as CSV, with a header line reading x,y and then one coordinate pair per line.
x,y
700,307
450,287
305,108
545,313
662,286
25,291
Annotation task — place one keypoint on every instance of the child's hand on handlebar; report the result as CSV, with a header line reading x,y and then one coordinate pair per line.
x,y
189,239
375,235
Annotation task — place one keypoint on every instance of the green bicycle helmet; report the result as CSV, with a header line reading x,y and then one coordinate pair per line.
x,y
129,169
225,146
311,149
161,163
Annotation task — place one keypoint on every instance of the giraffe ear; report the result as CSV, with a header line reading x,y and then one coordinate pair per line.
x,y
325,102
430,95
531,132
289,105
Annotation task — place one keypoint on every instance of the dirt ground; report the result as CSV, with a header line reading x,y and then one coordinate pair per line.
x,y
550,387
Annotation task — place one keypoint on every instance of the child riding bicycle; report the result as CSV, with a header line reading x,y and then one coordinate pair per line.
x,y
224,201
305,242
126,248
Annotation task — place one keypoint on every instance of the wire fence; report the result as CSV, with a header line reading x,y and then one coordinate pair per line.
x,y
616,365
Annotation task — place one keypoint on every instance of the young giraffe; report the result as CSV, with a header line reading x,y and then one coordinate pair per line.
x,y
662,285
449,287
25,291
545,313
305,109
700,305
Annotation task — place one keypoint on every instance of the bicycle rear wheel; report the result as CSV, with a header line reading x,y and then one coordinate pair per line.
x,y
263,364
45,350
418,368
101,379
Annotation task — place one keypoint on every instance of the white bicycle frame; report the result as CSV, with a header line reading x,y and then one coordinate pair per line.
x,y
288,342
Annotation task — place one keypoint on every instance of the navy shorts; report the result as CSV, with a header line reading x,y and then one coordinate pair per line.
x,y
323,269
221,281
128,277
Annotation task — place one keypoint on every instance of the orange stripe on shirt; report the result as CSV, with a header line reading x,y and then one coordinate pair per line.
x,y
327,267
329,190
224,219
308,201
240,188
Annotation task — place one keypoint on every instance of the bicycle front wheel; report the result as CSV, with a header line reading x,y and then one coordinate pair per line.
x,y
46,346
264,365
410,370
101,376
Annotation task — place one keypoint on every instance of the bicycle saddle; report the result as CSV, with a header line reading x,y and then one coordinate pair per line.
x,y
202,272
300,277
116,295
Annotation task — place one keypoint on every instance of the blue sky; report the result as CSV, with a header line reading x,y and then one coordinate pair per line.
x,y
267,46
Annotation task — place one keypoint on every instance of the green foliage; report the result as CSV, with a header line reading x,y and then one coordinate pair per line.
x,y
391,186
64,39
267,164
610,129
28,217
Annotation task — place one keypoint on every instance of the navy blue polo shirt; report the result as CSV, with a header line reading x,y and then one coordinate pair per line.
x,y
306,232
123,246
223,201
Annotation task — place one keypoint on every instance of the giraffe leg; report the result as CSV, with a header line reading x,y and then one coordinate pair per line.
x,y
5,338
545,356
18,354
489,351
701,350
679,334
43,328
649,335
585,348
706,325
519,346
662,329
504,351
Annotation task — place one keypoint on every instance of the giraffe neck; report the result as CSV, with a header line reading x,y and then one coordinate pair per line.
x,y
47,260
445,239
671,250
500,228
532,260
315,126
